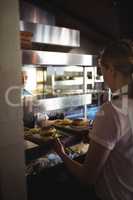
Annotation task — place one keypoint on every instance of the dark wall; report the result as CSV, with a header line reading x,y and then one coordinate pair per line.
x,y
32,13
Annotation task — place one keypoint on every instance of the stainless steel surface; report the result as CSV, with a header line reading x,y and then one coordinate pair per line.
x,y
94,91
30,57
52,34
85,81
68,91
63,102
85,89
73,82
72,68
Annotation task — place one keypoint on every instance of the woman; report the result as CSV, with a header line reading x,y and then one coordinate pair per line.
x,y
109,160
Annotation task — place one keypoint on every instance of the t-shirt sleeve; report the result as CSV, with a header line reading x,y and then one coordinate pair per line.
x,y
105,131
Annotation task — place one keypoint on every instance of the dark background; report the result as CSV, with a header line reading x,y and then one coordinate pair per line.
x,y
99,21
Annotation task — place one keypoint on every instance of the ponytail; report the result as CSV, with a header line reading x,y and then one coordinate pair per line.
x,y
130,88
130,103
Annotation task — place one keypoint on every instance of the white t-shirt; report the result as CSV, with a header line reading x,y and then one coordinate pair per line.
x,y
112,129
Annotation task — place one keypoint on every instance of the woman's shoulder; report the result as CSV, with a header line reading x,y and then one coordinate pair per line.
x,y
107,107
106,112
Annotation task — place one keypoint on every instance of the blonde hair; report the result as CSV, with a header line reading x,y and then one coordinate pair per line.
x,y
120,55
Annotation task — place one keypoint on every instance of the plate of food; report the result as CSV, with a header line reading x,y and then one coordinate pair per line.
x,y
63,122
80,123
40,135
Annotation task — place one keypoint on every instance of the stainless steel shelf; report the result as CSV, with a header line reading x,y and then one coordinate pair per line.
x,y
96,91
47,34
57,103
73,82
31,57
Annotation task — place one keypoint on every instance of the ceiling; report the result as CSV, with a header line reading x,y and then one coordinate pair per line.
x,y
99,21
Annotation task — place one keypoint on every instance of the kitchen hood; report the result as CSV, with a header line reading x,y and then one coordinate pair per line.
x,y
53,35
32,57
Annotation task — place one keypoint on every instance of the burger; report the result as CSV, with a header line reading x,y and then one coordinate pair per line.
x,y
65,121
80,122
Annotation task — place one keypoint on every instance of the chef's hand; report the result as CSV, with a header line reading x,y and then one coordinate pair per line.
x,y
58,147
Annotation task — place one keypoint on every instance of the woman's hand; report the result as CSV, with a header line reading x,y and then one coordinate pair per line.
x,y
59,148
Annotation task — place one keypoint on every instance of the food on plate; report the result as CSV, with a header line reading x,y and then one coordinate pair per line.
x,y
31,131
41,131
48,131
80,122
27,133
64,121
35,130
26,129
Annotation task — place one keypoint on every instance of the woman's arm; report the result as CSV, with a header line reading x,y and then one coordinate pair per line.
x,y
88,171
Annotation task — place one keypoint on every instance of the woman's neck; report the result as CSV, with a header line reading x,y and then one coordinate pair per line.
x,y
122,81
